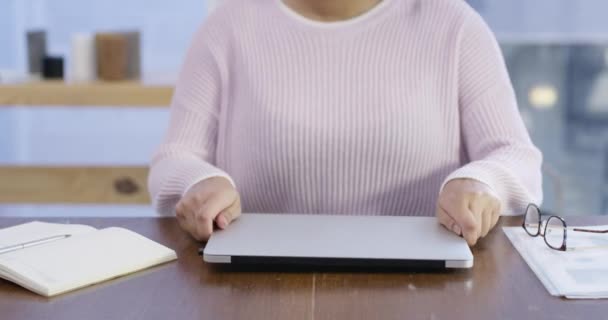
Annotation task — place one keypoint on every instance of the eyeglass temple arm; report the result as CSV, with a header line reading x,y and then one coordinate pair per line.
x,y
590,231
586,248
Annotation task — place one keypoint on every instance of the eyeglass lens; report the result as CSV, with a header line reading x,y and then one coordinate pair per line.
x,y
555,233
532,221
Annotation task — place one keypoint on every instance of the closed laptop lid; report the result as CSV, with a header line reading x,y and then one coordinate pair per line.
x,y
312,239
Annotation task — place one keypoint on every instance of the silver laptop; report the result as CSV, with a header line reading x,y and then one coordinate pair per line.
x,y
325,240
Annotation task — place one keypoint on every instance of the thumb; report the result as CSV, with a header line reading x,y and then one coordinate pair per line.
x,y
466,221
227,216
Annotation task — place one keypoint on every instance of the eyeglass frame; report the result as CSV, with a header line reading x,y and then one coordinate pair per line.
x,y
564,246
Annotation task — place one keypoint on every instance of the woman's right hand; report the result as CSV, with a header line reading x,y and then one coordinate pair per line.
x,y
211,200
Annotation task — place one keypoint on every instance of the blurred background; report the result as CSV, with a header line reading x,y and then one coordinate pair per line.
x,y
556,52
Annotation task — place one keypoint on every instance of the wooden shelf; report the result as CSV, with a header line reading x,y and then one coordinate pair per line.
x,y
101,185
78,184
112,94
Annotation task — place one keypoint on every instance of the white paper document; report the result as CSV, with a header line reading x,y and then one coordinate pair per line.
x,y
577,274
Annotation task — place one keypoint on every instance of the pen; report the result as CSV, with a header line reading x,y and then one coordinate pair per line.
x,y
32,243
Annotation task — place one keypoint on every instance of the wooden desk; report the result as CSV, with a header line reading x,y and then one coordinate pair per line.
x,y
500,286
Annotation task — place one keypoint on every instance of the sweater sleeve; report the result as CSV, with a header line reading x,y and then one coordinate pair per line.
x,y
187,154
498,146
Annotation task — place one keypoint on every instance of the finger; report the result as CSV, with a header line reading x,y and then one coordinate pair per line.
x,y
225,218
210,210
232,213
188,226
447,221
184,218
487,218
218,204
496,214
477,207
472,234
203,226
465,220
494,217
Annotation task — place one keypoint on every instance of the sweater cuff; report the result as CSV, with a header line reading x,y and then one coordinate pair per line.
x,y
218,174
495,177
170,179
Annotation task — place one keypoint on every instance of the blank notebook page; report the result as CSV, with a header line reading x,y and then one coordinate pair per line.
x,y
89,256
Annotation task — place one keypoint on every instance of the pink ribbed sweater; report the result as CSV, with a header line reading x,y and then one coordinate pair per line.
x,y
366,116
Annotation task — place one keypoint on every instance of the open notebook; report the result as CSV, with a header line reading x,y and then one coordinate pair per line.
x,y
87,257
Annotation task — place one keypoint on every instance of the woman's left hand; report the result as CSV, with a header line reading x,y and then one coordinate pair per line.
x,y
469,208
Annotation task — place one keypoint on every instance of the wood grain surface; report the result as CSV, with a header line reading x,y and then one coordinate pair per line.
x,y
101,185
500,286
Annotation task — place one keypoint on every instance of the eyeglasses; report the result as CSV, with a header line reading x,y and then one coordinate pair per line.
x,y
554,229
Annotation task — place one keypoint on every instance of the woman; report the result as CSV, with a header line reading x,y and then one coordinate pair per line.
x,y
393,107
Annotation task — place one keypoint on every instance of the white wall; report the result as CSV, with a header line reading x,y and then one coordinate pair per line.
x,y
7,34
167,26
